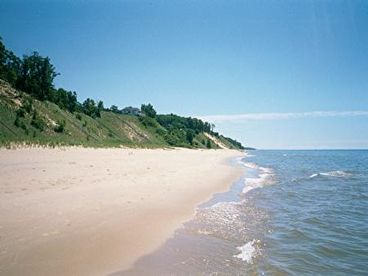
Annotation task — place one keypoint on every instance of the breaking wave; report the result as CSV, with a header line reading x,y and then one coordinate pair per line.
x,y
265,177
331,174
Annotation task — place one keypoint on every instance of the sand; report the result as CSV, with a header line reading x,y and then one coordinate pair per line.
x,y
79,211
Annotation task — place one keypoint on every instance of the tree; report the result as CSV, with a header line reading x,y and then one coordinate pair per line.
x,y
9,65
148,110
190,136
212,127
2,59
209,145
114,109
65,99
100,107
36,76
90,108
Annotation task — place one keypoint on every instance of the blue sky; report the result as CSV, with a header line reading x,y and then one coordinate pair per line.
x,y
208,58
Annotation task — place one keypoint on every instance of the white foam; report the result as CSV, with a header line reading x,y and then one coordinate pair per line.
x,y
247,252
331,174
314,175
250,165
266,177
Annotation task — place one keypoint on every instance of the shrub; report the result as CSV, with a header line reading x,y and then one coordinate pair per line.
x,y
60,127
17,121
148,121
28,106
37,122
160,131
21,112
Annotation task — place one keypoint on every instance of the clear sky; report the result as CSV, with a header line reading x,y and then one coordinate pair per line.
x,y
240,64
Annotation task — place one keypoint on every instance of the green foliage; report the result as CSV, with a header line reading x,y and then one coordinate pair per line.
x,y
10,65
174,121
234,143
28,105
100,107
148,121
148,110
90,108
60,127
21,112
161,131
65,99
190,136
17,122
114,109
182,130
35,74
38,122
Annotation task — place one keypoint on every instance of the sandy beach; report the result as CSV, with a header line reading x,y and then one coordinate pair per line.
x,y
79,211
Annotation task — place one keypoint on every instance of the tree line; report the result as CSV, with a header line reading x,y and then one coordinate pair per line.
x,y
35,74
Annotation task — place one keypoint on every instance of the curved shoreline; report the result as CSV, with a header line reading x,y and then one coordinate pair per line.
x,y
95,211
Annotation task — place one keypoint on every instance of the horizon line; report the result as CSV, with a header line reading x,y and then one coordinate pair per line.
x,y
280,116
308,149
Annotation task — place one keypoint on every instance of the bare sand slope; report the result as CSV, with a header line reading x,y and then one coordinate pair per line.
x,y
82,211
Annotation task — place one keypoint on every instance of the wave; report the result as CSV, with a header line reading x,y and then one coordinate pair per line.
x,y
265,177
331,174
247,252
249,165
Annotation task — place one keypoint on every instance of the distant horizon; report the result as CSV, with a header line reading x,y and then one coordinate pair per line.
x,y
322,149
283,74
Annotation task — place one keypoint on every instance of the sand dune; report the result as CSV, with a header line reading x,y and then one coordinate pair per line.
x,y
83,211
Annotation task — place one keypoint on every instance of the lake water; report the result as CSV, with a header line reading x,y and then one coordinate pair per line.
x,y
293,213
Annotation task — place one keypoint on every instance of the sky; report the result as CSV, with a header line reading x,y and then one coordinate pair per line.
x,y
271,74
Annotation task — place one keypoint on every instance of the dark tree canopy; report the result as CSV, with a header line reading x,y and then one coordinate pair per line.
x,y
37,76
148,110
10,65
114,109
90,108
66,99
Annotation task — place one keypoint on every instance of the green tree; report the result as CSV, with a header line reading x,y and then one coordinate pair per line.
x,y
65,99
36,76
114,109
100,107
190,136
2,59
90,108
9,65
148,110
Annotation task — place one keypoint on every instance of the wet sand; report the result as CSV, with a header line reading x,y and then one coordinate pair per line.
x,y
80,211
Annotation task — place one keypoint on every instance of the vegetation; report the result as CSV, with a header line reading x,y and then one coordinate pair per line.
x,y
32,110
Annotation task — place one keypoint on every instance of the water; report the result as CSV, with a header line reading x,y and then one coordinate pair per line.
x,y
293,213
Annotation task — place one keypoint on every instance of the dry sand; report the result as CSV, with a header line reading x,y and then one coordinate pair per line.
x,y
83,211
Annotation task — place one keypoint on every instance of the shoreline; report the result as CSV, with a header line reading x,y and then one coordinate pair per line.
x,y
96,211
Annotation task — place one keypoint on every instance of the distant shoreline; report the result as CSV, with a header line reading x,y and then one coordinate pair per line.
x,y
86,211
